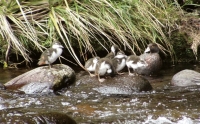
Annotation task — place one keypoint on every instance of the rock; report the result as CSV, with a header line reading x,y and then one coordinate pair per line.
x,y
43,79
36,116
2,87
186,78
120,84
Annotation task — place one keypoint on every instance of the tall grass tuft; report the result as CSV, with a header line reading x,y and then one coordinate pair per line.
x,y
132,24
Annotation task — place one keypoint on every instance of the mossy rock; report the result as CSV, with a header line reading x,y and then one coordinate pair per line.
x,y
43,79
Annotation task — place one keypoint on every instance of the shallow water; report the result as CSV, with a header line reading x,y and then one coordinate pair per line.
x,y
165,104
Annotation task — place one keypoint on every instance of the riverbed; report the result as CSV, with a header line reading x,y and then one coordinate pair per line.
x,y
165,104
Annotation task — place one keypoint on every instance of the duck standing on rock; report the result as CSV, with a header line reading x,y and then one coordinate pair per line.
x,y
105,65
134,62
152,58
90,65
50,55
119,61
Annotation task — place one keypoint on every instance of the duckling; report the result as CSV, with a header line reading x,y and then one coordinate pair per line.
x,y
152,58
119,61
104,67
50,55
90,65
134,62
114,50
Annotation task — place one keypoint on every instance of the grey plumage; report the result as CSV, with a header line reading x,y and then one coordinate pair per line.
x,y
104,67
134,62
114,50
90,65
50,55
152,58
119,61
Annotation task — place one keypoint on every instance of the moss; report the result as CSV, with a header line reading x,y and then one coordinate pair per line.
x,y
182,47
64,77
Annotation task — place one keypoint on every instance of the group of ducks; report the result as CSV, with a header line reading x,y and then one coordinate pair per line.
x,y
146,64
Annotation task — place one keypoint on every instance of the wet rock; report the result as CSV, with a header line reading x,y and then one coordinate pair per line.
x,y
186,78
2,87
34,117
120,84
43,79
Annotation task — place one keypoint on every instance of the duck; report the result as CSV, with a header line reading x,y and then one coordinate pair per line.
x,y
153,60
90,65
50,55
134,62
104,67
119,61
114,50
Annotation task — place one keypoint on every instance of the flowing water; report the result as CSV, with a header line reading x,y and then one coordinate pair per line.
x,y
166,104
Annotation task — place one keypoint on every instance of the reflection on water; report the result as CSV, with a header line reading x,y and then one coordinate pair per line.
x,y
7,74
165,104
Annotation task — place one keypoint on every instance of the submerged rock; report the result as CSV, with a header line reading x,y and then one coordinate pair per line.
x,y
186,78
43,79
120,84
22,116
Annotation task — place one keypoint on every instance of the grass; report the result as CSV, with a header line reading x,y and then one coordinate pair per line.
x,y
87,25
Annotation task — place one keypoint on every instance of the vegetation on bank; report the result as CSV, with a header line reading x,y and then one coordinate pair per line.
x,y
87,26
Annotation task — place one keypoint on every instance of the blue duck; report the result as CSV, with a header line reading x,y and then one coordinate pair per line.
x,y
90,65
119,61
104,67
50,55
114,50
152,58
134,62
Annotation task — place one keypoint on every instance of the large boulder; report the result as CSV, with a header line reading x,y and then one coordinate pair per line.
x,y
120,84
43,79
186,78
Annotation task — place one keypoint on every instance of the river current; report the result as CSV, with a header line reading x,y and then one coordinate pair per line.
x,y
166,104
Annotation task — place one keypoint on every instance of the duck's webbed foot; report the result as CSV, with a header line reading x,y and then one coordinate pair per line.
x,y
101,79
92,75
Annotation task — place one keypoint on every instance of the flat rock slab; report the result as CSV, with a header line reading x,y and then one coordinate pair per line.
x,y
120,84
186,78
43,79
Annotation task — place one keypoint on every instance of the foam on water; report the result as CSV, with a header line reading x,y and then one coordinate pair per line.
x,y
164,120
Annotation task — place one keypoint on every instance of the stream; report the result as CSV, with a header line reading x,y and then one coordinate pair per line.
x,y
166,104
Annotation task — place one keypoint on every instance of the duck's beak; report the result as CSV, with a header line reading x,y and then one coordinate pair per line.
x,y
113,49
147,50
61,46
